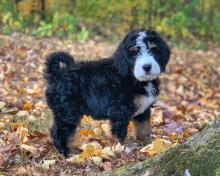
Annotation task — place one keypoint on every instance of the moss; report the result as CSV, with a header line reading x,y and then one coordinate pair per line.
x,y
199,155
137,169
217,172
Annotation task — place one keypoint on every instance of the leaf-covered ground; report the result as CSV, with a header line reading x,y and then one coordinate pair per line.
x,y
190,98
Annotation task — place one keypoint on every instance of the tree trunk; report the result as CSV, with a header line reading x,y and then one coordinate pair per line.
x,y
198,156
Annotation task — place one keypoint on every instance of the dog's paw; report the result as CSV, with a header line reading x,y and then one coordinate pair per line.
x,y
144,139
61,148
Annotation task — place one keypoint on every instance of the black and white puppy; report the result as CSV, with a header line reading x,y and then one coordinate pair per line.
x,y
120,88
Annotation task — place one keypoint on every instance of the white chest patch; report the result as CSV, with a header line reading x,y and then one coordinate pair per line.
x,y
142,102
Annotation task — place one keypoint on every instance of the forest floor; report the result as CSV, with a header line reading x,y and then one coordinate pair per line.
x,y
189,99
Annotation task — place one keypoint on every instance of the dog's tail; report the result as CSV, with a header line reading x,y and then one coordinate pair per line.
x,y
56,63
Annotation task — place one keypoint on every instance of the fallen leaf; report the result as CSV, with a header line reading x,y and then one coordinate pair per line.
x,y
173,136
27,105
48,163
1,161
29,148
107,166
157,119
34,91
186,133
2,125
89,151
97,160
2,104
73,159
106,129
22,133
22,113
95,144
118,148
87,133
158,146
130,147
108,151
21,171
147,173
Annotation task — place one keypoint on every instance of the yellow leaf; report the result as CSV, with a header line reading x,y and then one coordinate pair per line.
x,y
94,144
173,136
27,105
86,118
87,133
204,100
89,151
158,146
148,149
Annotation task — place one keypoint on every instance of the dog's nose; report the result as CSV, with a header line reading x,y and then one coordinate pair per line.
x,y
147,67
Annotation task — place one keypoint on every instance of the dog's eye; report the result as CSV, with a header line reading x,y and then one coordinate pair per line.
x,y
134,49
151,45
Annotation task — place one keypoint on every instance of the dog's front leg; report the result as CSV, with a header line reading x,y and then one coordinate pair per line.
x,y
119,120
142,127
119,129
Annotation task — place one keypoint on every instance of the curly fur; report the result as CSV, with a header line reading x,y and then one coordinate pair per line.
x,y
104,89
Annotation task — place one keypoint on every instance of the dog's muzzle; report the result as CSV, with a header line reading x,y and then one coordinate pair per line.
x,y
146,68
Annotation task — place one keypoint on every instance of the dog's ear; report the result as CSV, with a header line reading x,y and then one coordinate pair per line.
x,y
163,50
164,53
120,58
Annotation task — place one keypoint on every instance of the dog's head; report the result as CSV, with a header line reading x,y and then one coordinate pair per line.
x,y
142,53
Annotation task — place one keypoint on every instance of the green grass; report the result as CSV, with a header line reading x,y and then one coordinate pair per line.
x,y
41,124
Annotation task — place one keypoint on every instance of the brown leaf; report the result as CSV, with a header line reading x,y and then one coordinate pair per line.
x,y
21,171
22,133
147,173
107,166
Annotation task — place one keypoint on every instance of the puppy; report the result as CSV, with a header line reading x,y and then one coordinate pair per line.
x,y
120,88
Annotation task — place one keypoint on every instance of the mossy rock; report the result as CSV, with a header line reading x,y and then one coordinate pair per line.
x,y
199,156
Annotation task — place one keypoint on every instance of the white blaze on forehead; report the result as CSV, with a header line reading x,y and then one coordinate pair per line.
x,y
140,41
144,57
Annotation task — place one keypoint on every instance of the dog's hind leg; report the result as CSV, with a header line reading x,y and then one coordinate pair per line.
x,y
142,127
64,126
